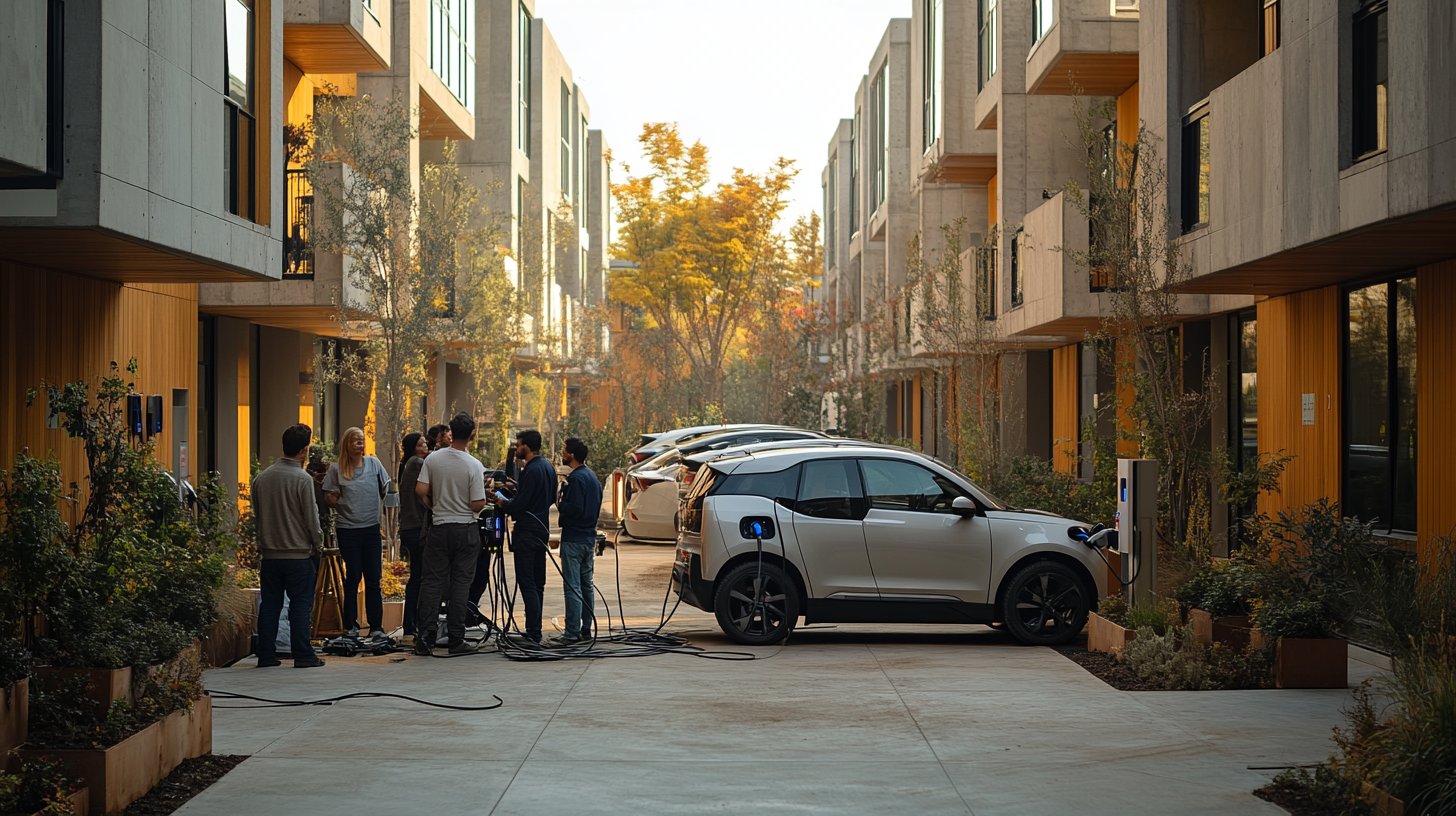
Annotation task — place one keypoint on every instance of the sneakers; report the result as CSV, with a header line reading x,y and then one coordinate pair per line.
x,y
565,640
352,631
424,644
308,664
463,647
377,634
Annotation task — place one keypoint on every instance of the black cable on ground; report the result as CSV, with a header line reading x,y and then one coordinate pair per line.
x,y
219,694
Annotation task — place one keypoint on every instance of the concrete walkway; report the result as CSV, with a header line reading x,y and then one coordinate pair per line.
x,y
842,720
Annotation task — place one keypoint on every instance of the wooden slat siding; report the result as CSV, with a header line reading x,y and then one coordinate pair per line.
x,y
61,328
1299,353
1125,354
991,210
1435,396
1065,380
1128,117
1091,74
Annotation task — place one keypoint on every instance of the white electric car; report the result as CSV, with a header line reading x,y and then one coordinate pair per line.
x,y
874,534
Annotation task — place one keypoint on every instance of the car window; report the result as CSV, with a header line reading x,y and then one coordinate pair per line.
x,y
830,489
895,485
783,484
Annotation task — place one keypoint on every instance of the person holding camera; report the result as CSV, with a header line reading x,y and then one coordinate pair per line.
x,y
531,509
452,485
288,538
579,507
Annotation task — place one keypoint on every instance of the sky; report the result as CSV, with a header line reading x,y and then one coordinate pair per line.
x,y
752,80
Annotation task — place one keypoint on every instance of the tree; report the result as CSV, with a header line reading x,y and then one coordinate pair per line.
x,y
705,259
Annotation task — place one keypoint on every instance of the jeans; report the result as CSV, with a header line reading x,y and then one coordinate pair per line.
x,y
295,577
450,553
414,553
578,560
363,552
480,578
530,560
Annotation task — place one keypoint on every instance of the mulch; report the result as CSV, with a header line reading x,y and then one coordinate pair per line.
x,y
1298,801
190,778
1104,667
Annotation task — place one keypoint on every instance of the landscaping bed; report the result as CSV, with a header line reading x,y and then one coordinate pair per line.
x,y
1106,668
189,779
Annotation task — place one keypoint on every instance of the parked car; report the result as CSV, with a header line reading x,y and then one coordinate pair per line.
x,y
652,485
874,534
655,443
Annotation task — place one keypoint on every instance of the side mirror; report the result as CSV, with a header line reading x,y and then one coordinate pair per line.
x,y
964,507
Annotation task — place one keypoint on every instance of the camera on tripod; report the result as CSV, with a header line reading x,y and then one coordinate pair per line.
x,y
492,519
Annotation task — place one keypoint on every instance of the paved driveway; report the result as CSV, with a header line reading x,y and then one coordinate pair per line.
x,y
842,720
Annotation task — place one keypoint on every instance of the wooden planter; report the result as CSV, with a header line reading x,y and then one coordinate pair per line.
x,y
103,686
14,716
1380,802
117,776
1105,636
227,642
1230,630
78,802
393,615
1311,663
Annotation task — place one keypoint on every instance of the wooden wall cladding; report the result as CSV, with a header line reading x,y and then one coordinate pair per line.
x,y
58,328
1435,396
1299,353
1066,376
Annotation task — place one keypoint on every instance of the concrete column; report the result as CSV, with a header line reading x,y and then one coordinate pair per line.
x,y
232,417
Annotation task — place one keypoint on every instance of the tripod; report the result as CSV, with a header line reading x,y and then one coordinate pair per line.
x,y
328,595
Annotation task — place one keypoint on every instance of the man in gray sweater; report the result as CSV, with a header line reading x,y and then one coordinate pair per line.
x,y
289,536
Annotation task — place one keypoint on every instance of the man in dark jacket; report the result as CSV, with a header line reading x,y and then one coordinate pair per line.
x,y
288,537
530,509
579,507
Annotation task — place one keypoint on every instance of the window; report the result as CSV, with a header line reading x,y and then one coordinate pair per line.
x,y
238,121
781,484
988,41
565,140
1195,168
582,182
1041,19
896,485
1269,27
932,73
1370,76
1244,399
1017,295
830,489
1380,404
986,281
854,174
452,47
523,79
879,136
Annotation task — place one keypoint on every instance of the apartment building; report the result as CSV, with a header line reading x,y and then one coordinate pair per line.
x,y
1311,148
139,158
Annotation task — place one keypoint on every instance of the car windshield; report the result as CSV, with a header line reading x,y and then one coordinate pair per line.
x,y
996,504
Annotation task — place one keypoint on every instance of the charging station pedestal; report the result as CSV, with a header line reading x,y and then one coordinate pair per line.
x,y
1137,534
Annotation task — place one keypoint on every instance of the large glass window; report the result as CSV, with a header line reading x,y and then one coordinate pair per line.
x,y
986,281
523,79
239,123
452,47
1380,404
988,41
1246,390
854,174
1041,19
1370,77
932,73
831,212
565,140
830,489
894,485
1018,294
879,136
1196,168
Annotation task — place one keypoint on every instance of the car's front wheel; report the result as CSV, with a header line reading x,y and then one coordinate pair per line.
x,y
756,604
1045,604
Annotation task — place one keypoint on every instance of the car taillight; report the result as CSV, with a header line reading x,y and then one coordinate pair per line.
x,y
637,456
688,476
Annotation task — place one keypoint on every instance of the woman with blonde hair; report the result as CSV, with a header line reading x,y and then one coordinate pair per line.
x,y
355,487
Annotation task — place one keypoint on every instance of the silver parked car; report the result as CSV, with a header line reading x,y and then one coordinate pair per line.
x,y
874,534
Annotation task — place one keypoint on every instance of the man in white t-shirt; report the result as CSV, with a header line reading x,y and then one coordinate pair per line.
x,y
452,485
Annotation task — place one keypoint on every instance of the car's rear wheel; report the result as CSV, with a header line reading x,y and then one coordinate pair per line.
x,y
756,604
1045,604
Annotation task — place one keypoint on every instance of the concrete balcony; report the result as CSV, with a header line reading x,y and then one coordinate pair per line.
x,y
1059,298
337,36
1092,46
963,156
316,289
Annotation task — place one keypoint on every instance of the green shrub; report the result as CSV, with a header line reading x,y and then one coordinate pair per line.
x,y
1029,481
1325,788
1114,608
1229,669
1156,617
1162,661
14,661
1220,588
1292,618
41,787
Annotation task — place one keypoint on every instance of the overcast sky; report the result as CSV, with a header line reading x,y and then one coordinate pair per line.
x,y
752,79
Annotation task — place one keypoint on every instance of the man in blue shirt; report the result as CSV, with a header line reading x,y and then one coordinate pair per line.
x,y
579,507
530,509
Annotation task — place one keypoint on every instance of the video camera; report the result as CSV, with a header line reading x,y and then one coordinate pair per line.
x,y
492,519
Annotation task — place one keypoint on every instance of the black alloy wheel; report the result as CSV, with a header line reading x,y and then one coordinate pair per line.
x,y
756,606
1045,604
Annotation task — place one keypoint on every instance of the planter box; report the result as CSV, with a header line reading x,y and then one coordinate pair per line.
x,y
1311,663
1105,636
393,615
103,686
78,802
14,716
1230,630
117,776
1380,802
227,642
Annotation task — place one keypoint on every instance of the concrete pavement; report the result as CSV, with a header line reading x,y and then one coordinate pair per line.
x,y
843,719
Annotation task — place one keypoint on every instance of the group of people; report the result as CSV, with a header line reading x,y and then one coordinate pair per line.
x,y
443,492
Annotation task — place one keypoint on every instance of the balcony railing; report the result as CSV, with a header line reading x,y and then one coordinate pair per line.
x,y
298,244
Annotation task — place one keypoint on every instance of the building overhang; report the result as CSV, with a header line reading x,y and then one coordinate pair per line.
x,y
337,36
97,252
1090,50
1387,247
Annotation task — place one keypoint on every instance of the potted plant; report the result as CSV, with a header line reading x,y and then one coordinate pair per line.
x,y
1217,597
1107,629
1306,653
42,788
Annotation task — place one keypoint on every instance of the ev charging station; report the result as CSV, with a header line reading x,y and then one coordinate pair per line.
x,y
1137,521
